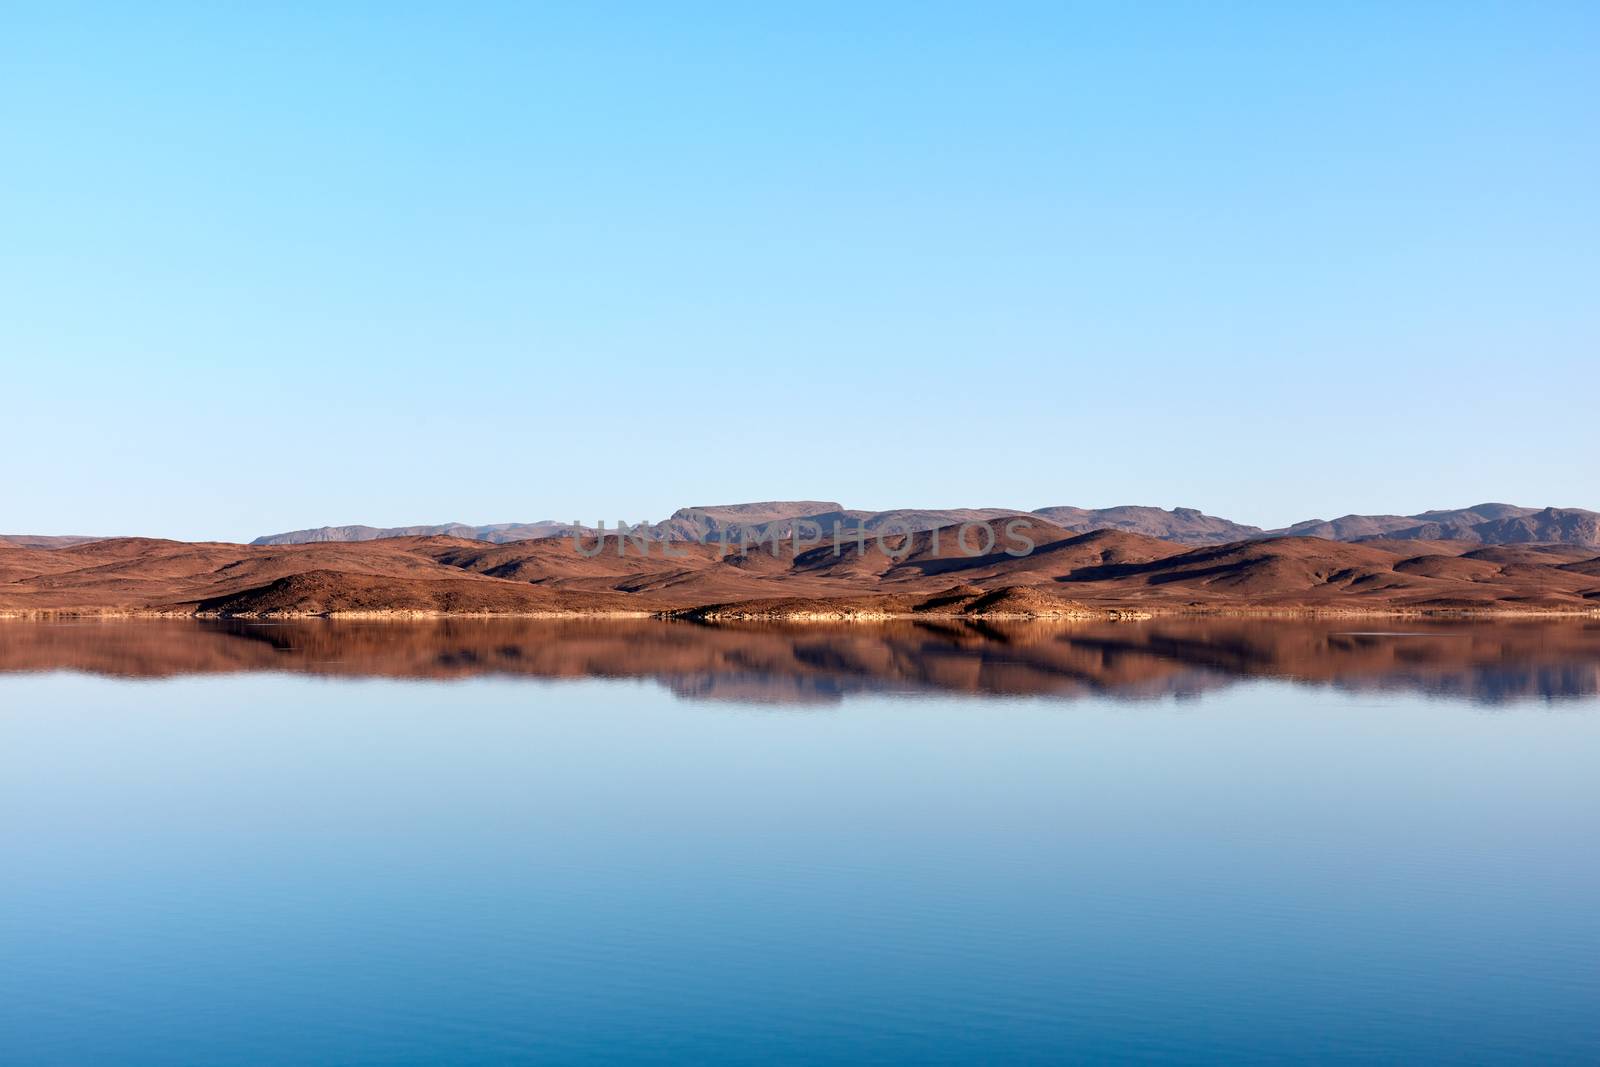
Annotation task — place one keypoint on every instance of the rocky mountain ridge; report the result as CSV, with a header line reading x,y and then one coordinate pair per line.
x,y
1487,524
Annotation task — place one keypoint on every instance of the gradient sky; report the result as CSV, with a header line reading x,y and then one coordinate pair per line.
x,y
290,266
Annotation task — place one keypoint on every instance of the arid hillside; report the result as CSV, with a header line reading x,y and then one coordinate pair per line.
x,y
1002,567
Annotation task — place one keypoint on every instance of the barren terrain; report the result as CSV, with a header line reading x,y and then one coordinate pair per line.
x,y
1066,574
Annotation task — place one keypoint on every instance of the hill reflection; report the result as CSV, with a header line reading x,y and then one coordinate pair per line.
x,y
1484,662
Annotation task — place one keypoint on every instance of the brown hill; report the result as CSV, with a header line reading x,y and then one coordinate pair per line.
x,y
323,592
981,546
1049,571
1311,573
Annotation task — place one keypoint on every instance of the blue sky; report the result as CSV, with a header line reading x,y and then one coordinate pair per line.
x,y
271,268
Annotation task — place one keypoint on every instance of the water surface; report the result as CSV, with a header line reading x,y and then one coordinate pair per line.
x,y
488,842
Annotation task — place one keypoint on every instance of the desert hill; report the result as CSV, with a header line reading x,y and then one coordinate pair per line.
x,y
1050,571
329,592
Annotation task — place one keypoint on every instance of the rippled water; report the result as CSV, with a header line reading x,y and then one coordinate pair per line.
x,y
493,842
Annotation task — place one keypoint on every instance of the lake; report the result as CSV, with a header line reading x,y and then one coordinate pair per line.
x,y
479,842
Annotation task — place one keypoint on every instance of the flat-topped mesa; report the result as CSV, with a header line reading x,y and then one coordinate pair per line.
x,y
760,511
498,533
1184,525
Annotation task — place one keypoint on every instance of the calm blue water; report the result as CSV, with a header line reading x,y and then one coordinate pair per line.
x,y
272,868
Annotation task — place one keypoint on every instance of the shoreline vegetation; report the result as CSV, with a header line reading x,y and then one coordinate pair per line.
x,y
934,574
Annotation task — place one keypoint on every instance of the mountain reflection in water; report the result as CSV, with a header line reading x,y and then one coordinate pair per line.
x,y
809,664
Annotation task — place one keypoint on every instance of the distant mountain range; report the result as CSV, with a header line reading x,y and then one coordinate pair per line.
x,y
46,542
1486,524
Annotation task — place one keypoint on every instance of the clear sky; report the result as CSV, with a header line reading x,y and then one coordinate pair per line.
x,y
283,265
